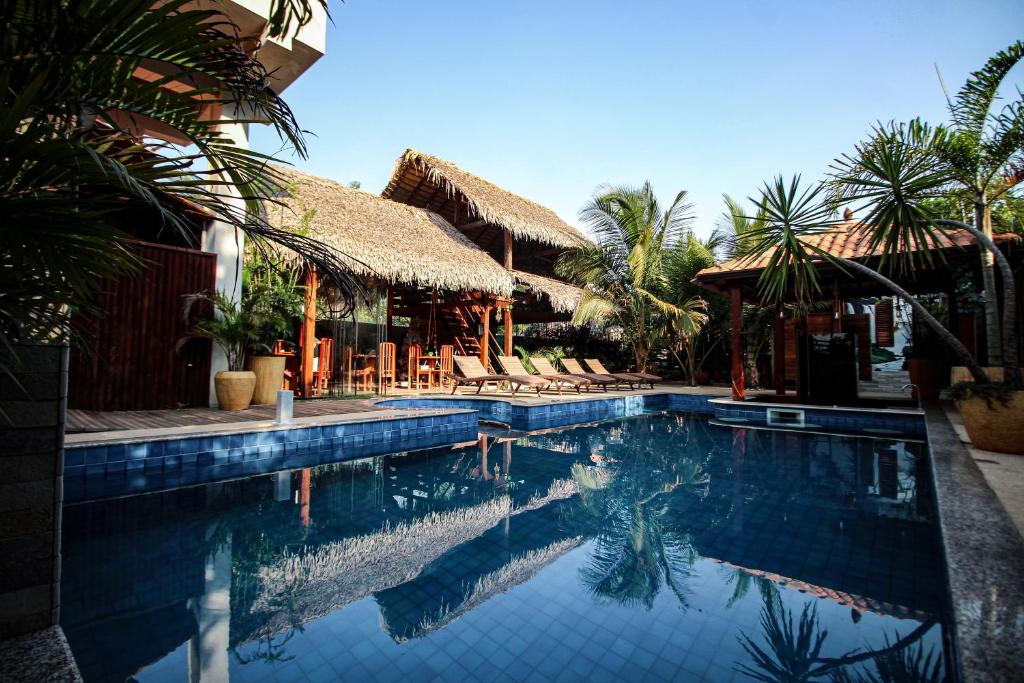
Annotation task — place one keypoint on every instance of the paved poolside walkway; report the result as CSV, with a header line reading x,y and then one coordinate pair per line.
x,y
85,421
1004,472
94,421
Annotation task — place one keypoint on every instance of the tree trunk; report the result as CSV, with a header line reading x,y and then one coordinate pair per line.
x,y
927,318
1010,350
993,339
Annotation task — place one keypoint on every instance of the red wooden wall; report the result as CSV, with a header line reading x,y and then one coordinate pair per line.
x,y
128,360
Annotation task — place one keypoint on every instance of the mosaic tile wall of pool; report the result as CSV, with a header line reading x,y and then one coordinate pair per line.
x,y
654,547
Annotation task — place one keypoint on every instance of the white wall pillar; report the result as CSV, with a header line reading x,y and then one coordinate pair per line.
x,y
228,243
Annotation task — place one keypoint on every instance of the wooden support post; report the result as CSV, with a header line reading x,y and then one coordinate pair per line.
x,y
800,346
390,332
309,333
779,351
304,497
739,388
508,250
508,331
485,338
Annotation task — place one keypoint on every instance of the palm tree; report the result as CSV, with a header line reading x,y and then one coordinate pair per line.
x,y
983,150
76,168
682,263
894,175
981,154
622,274
735,230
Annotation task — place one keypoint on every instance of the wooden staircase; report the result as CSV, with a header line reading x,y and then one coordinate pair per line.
x,y
461,321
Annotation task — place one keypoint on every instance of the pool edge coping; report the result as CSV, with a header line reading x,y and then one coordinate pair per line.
x,y
982,550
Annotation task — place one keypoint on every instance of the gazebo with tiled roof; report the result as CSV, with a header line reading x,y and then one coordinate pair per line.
x,y
851,239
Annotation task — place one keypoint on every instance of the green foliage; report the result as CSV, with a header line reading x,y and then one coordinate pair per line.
x,y
225,323
274,300
789,214
623,275
75,168
553,354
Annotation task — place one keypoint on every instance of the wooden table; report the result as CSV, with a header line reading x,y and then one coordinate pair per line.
x,y
433,363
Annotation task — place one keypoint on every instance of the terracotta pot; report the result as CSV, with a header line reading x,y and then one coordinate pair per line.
x,y
959,373
997,428
234,388
269,377
927,374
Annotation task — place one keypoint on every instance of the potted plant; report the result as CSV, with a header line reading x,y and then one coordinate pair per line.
x,y
273,300
230,327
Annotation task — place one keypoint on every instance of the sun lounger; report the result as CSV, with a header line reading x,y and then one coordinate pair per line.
x,y
513,366
546,369
573,367
474,372
641,377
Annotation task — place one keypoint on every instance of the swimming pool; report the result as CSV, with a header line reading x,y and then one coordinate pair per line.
x,y
646,548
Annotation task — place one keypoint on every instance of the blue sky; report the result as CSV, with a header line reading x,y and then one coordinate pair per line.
x,y
552,99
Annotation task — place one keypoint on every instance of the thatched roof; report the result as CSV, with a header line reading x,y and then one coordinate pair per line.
x,y
485,201
563,297
386,239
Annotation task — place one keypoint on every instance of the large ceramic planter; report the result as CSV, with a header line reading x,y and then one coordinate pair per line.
x,y
269,372
927,374
234,388
995,427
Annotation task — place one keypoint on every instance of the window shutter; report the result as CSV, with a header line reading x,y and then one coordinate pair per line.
x,y
884,325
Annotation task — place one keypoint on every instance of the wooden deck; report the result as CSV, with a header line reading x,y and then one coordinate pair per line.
x,y
94,421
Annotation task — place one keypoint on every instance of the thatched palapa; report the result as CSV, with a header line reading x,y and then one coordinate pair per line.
x,y
563,297
486,201
386,239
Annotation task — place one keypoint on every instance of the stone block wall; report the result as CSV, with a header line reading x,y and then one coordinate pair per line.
x,y
32,411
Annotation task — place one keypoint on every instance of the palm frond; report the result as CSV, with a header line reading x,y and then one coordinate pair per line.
x,y
972,104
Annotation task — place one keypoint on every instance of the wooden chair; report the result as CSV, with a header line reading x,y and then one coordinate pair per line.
x,y
386,373
415,373
447,364
324,372
358,379
365,375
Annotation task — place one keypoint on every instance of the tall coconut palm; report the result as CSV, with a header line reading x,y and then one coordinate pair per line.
x,y
622,274
983,150
76,168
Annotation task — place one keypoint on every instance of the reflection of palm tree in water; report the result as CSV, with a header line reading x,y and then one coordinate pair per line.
x,y
636,545
792,652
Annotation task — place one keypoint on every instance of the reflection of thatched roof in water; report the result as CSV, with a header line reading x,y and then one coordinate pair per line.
x,y
486,201
857,602
563,297
318,580
519,570
386,239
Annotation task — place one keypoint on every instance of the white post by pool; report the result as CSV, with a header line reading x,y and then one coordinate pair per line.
x,y
285,406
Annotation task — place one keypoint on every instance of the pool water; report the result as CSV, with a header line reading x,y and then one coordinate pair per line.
x,y
658,547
